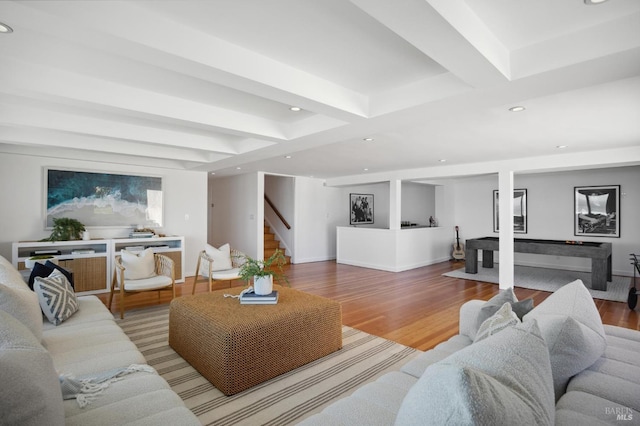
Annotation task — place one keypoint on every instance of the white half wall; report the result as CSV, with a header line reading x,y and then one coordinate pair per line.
x,y
22,191
393,250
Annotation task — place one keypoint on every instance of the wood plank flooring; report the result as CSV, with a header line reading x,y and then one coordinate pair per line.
x,y
417,308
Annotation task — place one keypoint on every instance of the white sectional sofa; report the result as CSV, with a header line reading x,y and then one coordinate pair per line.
x,y
34,354
558,365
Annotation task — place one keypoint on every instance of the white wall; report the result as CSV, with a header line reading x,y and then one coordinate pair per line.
x,y
317,212
22,195
550,212
380,193
237,213
280,190
418,202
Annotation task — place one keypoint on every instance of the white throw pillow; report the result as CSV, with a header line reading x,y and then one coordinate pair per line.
x,y
572,329
502,380
221,258
138,266
502,319
56,296
23,305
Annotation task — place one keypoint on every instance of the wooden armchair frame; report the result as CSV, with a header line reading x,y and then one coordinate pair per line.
x,y
164,267
237,260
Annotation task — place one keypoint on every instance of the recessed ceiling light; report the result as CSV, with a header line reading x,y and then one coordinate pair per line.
x,y
366,170
442,160
213,173
517,109
4,28
561,146
238,168
287,156
295,109
368,139
592,2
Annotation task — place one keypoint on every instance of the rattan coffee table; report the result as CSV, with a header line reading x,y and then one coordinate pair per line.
x,y
238,346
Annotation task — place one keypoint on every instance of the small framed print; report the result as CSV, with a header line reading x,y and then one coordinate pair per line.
x,y
519,211
361,209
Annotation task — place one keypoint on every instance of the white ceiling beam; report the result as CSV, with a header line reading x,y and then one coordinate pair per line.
x,y
93,145
19,77
611,38
17,115
420,24
145,33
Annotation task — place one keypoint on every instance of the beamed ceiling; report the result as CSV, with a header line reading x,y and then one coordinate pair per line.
x,y
207,85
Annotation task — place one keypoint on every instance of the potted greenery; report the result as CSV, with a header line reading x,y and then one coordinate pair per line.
x,y
264,272
65,229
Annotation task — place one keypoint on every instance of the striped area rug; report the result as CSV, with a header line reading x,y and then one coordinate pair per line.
x,y
286,399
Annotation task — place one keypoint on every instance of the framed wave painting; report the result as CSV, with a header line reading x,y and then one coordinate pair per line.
x,y
103,199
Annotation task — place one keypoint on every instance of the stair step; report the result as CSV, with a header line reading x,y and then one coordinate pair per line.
x,y
271,244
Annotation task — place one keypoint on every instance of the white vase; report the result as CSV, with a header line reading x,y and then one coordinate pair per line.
x,y
263,285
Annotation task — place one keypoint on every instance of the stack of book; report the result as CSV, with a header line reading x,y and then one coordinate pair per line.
x,y
256,299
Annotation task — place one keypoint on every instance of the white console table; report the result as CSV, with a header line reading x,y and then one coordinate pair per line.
x,y
92,261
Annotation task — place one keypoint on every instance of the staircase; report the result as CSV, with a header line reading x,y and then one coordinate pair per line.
x,y
271,244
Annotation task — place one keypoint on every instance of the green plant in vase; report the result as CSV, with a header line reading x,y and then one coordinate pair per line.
x,y
268,270
65,229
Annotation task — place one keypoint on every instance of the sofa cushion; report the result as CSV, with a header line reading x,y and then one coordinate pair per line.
x,y
504,379
221,258
572,328
497,322
30,392
57,299
23,305
39,270
520,308
138,265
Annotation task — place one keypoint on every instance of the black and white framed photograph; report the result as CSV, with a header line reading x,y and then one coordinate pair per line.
x,y
597,211
99,199
519,211
361,207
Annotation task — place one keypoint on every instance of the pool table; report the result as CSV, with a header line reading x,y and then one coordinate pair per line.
x,y
599,253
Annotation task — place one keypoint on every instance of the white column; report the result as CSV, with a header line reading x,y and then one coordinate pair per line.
x,y
505,186
395,203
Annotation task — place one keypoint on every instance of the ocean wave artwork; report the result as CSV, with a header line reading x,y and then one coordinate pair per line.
x,y
104,199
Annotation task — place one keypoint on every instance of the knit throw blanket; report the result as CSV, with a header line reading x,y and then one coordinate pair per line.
x,y
87,389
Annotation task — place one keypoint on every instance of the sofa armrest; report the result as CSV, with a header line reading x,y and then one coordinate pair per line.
x,y
468,314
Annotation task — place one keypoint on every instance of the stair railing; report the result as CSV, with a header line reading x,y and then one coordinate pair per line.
x,y
277,212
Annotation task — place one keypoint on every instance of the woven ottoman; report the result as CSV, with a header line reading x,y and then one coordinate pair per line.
x,y
238,346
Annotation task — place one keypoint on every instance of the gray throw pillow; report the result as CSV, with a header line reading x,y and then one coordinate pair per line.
x,y
30,392
520,308
572,329
502,380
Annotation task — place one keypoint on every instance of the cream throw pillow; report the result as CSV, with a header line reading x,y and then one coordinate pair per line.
x,y
138,266
221,257
23,305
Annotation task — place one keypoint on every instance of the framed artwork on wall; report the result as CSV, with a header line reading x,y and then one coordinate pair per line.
x,y
519,211
597,211
103,199
361,209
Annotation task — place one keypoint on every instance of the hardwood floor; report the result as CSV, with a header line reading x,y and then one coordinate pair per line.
x,y
417,308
